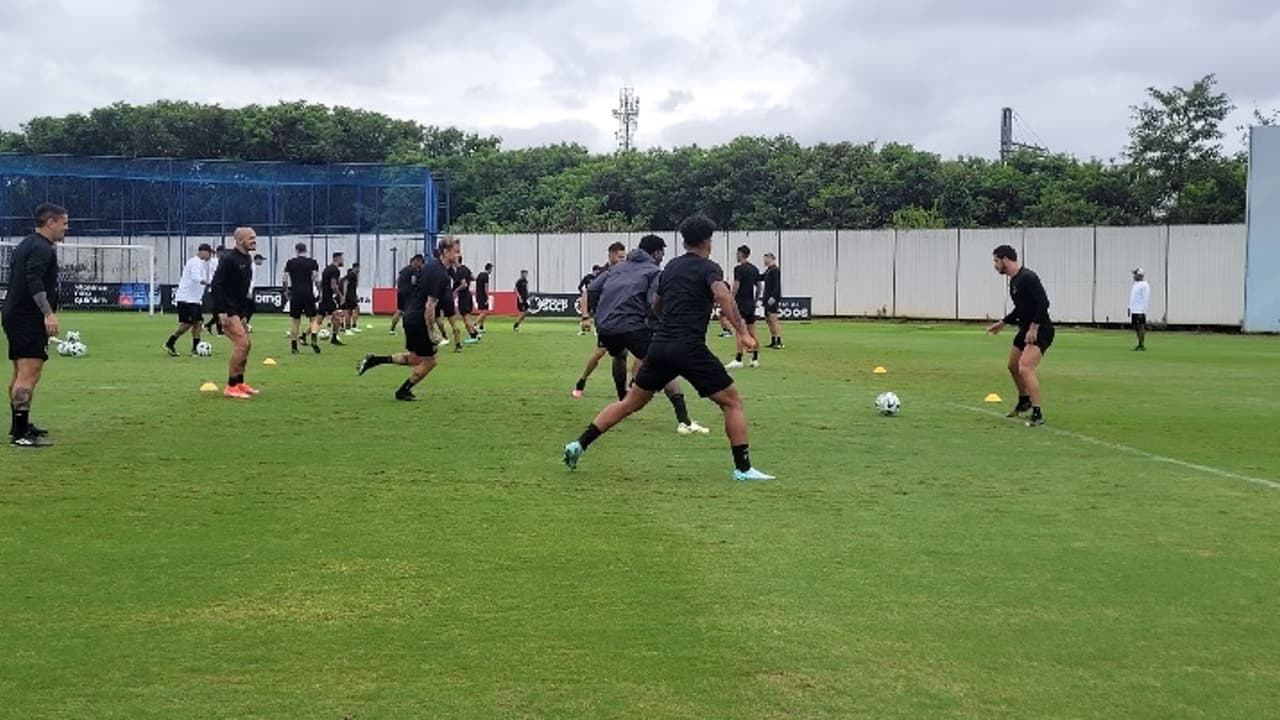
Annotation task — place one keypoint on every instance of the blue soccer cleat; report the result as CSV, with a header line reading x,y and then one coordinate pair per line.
x,y
572,452
752,474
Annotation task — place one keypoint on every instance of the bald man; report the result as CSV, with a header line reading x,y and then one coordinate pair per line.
x,y
232,302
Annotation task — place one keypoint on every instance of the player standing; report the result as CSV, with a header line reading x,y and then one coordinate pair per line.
x,y
1035,330
522,299
773,300
351,299
432,287
687,289
230,288
746,290
189,297
331,295
1139,300
30,318
301,276
482,295
408,277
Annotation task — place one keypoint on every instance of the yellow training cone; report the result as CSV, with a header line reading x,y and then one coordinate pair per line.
x,y
993,398
880,371
208,387
269,362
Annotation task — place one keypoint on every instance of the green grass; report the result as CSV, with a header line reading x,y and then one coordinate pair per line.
x,y
325,552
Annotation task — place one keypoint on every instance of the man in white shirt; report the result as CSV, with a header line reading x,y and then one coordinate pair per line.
x,y
1139,301
189,297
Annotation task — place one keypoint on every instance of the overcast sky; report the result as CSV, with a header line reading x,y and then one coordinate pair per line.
x,y
933,73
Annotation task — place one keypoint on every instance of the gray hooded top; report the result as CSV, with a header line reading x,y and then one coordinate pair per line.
x,y
625,294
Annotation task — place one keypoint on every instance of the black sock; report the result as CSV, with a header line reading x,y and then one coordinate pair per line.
x,y
473,334
755,354
1024,401
376,360
1035,412
582,384
405,387
294,343
173,340
195,343
741,457
314,338
738,357
682,410
20,422
620,379
231,381
590,435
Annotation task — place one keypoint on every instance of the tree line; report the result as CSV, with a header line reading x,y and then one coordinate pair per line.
x,y
1173,169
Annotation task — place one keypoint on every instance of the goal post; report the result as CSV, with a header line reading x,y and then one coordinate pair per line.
x,y
95,276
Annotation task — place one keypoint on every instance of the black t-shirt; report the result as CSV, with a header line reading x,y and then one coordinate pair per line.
x,y
408,278
353,284
231,282
1030,301
773,283
33,269
522,288
302,272
482,285
434,282
332,274
462,280
586,281
685,289
747,276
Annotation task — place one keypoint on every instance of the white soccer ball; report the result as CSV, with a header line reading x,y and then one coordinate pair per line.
x,y
324,334
204,349
73,336
77,349
888,404
64,348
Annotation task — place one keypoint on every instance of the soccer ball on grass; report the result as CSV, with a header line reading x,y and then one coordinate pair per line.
x,y
888,404
204,349
324,334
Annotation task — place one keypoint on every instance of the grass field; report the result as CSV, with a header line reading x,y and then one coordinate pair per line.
x,y
325,552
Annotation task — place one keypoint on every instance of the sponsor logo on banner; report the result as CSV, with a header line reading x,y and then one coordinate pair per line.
x,y
789,308
268,300
554,304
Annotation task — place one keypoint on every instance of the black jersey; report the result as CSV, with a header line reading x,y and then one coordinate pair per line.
x,y
462,280
748,276
773,283
407,279
331,277
482,285
433,283
522,288
302,276
33,269
353,284
231,283
1030,301
685,290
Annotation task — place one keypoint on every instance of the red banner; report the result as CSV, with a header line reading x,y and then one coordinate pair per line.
x,y
500,303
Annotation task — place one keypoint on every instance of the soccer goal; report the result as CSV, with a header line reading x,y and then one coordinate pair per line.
x,y
99,277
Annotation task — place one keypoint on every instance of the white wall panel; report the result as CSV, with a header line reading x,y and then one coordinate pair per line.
x,y
864,272
983,294
808,262
559,262
925,273
1119,251
477,250
1063,258
1206,274
512,254
595,248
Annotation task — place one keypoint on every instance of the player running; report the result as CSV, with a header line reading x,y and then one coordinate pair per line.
x,y
464,303
408,277
189,297
1035,330
482,295
522,299
589,301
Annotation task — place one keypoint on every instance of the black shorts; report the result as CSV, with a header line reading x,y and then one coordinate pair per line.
x,y
27,338
189,313
635,342
465,305
328,306
747,311
229,312
304,305
695,363
1139,319
1044,338
522,306
351,305
772,306
445,308
417,338
482,302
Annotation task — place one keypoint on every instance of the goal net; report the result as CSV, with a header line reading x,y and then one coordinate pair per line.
x,y
98,277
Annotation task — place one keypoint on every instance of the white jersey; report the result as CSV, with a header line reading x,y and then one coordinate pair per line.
x,y
1139,297
195,277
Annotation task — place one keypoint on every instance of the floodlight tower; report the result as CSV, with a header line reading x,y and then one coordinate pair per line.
x,y
627,114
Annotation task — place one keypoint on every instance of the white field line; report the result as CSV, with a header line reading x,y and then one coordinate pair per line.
x,y
1135,451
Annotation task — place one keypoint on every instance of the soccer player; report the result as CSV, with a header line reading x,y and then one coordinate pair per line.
x,y
301,276
464,304
408,277
30,318
746,290
230,288
431,289
589,300
584,326
331,296
522,299
1035,330
482,295
189,296
622,319
687,289
1139,300
773,300
211,325
351,299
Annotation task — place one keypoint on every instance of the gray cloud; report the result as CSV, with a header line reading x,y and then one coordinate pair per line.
x,y
928,72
